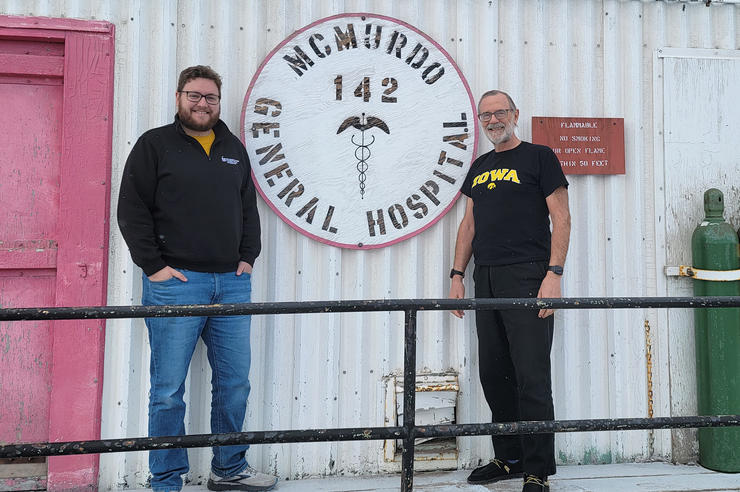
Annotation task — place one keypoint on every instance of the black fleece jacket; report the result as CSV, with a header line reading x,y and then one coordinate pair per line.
x,y
182,208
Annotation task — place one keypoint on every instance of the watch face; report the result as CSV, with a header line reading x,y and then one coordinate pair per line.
x,y
556,269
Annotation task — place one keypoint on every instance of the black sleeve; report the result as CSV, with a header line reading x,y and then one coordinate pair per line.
x,y
135,205
551,172
467,186
251,245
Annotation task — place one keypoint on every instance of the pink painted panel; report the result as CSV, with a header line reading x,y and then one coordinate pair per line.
x,y
27,46
29,210
25,358
82,261
59,225
51,28
52,66
29,203
25,255
29,171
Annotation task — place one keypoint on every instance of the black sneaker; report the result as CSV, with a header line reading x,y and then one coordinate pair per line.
x,y
535,484
496,470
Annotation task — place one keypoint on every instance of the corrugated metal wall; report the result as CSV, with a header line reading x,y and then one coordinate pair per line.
x,y
556,58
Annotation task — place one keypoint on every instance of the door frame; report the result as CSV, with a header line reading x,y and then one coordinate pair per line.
x,y
678,444
82,229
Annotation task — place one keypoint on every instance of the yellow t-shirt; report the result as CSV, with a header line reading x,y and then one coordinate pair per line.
x,y
206,141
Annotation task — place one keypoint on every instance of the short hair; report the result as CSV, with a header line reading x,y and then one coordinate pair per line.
x,y
198,72
495,92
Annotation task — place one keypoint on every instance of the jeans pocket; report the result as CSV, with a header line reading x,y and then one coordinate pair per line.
x,y
169,281
161,293
164,282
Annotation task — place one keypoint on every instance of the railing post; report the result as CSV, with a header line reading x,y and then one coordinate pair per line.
x,y
409,402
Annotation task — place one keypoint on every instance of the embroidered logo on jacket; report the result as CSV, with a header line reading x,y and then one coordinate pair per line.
x,y
229,161
496,175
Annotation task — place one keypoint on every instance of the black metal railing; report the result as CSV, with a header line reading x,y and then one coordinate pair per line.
x,y
409,431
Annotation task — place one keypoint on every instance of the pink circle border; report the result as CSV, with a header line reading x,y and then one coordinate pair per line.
x,y
263,194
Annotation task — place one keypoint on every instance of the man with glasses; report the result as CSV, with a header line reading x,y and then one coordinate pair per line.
x,y
513,192
187,210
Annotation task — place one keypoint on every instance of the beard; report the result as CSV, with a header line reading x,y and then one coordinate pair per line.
x,y
193,121
504,132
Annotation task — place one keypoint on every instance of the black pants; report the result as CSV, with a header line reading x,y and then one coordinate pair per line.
x,y
514,358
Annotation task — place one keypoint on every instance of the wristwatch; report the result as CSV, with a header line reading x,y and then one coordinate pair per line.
x,y
556,269
454,272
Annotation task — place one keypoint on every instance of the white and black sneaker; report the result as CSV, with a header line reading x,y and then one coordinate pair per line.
x,y
248,479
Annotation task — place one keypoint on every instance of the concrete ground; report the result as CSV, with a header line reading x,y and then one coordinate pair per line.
x,y
627,477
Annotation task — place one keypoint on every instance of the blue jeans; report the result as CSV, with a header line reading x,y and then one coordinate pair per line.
x,y
172,342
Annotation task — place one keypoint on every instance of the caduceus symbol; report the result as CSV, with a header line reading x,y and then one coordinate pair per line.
x,y
362,152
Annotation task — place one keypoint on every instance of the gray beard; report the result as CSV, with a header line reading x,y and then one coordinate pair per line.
x,y
507,133
503,138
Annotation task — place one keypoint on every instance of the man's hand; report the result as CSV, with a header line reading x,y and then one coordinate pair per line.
x,y
243,267
550,288
463,252
167,273
457,291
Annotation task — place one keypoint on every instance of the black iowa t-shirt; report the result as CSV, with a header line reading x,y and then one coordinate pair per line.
x,y
508,189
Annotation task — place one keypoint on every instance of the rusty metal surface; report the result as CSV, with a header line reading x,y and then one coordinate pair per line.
x,y
409,431
649,367
409,402
702,274
111,312
362,434
442,387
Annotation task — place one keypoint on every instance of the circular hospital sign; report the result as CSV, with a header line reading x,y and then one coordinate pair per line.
x,y
360,130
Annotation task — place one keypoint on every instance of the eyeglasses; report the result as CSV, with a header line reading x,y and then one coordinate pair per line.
x,y
500,115
195,97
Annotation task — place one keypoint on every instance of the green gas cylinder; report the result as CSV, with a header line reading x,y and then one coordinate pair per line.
x,y
714,246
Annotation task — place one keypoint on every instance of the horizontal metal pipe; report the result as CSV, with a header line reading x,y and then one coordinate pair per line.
x,y
199,441
361,434
302,307
541,426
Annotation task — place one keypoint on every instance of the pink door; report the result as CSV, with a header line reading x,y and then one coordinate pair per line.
x,y
56,87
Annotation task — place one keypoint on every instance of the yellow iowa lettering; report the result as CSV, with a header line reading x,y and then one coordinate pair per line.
x,y
498,174
481,178
512,176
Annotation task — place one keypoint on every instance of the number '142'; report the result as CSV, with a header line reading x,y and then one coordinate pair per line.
x,y
363,89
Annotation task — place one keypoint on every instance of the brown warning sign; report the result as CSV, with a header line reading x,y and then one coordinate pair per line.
x,y
583,145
